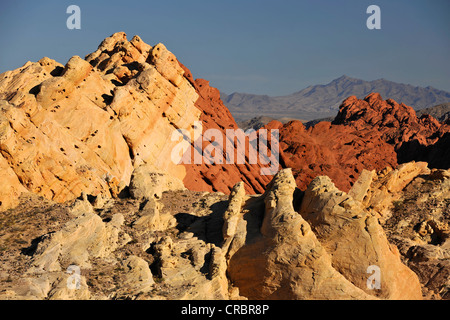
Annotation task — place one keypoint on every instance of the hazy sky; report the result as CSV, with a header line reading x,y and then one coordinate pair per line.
x,y
265,47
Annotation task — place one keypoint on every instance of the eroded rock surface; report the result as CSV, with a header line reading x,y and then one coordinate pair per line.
x,y
414,138
340,152
369,133
92,205
85,126
322,243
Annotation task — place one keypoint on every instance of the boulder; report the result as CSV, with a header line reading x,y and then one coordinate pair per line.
x,y
84,237
146,183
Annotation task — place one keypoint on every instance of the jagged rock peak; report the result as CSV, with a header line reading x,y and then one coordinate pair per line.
x,y
85,126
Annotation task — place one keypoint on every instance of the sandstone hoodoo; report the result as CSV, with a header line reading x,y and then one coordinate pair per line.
x,y
314,250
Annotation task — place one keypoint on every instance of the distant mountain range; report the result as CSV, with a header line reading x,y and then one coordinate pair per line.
x,y
441,112
321,101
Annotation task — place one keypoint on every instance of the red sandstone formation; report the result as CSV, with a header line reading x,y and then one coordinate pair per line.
x,y
219,177
420,139
85,126
366,134
340,152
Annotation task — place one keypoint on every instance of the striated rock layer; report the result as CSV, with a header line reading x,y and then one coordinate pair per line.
x,y
219,177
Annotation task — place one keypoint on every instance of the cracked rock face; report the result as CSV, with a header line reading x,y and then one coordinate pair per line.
x,y
414,138
337,151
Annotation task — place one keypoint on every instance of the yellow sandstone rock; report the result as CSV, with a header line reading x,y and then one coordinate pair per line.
x,y
85,126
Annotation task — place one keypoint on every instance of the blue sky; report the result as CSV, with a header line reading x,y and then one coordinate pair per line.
x,y
264,47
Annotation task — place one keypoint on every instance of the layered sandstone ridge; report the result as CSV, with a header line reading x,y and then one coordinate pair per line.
x,y
220,177
85,126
